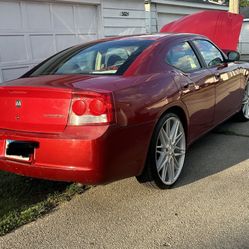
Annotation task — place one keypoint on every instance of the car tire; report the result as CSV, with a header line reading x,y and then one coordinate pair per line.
x,y
166,154
243,115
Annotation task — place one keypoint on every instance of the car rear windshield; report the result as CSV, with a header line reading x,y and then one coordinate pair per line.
x,y
110,57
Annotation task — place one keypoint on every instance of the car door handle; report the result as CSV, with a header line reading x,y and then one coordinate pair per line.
x,y
217,76
189,86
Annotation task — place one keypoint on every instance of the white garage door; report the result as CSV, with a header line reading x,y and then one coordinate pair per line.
x,y
32,31
165,18
244,39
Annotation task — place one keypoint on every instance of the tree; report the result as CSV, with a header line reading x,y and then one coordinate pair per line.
x,y
244,3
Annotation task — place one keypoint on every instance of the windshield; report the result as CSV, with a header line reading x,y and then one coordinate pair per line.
x,y
111,57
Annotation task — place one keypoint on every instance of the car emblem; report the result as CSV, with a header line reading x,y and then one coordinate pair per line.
x,y
18,103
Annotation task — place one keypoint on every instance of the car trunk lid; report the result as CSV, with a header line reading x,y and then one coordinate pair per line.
x,y
36,109
42,104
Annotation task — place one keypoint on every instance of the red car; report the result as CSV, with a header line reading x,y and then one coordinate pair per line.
x,y
119,107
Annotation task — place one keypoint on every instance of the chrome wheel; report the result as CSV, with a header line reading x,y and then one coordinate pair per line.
x,y
170,150
245,103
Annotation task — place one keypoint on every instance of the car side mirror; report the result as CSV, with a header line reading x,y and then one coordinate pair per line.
x,y
233,56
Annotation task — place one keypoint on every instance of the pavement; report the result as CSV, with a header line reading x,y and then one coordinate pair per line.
x,y
207,208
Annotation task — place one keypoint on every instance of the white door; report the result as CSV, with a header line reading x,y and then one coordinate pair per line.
x,y
32,31
165,18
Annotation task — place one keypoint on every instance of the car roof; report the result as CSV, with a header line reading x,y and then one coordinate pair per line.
x,y
153,37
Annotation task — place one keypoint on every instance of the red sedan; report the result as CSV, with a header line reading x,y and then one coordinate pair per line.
x,y
119,107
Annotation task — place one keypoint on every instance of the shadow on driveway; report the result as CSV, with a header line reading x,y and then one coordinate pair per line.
x,y
219,150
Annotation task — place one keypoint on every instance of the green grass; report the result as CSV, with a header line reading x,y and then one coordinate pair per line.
x,y
23,200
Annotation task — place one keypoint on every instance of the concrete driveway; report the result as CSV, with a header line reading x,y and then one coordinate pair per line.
x,y
208,208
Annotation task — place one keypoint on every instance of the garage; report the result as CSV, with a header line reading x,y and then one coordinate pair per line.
x,y
31,31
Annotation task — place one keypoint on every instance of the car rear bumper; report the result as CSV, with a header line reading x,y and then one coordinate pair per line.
x,y
68,157
86,155
52,172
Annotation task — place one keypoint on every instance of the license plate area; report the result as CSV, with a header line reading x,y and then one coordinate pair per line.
x,y
20,150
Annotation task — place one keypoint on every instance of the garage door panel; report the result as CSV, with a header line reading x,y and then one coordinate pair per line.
x,y
7,53
13,73
86,38
63,16
38,17
86,19
65,41
42,46
10,15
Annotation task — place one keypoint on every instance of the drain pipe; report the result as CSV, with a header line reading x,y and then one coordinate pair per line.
x,y
148,18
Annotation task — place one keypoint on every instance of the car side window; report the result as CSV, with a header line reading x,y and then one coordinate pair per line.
x,y
183,57
210,53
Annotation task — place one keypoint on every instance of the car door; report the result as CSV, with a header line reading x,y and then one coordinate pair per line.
x,y
227,79
197,87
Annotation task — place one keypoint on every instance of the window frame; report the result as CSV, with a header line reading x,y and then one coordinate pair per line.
x,y
195,53
202,57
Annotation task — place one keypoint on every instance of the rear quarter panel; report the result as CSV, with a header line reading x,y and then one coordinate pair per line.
x,y
138,108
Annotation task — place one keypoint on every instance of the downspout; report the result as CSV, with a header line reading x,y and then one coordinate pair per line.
x,y
148,16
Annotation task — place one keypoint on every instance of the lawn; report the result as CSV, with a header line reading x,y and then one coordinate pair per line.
x,y
23,200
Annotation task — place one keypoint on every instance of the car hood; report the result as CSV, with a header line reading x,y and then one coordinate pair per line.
x,y
222,27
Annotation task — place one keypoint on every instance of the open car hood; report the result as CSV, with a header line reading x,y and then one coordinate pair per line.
x,y
221,27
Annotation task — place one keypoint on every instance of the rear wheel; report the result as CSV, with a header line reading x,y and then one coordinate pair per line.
x,y
243,115
166,154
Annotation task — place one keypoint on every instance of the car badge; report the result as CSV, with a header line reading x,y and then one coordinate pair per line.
x,y
18,103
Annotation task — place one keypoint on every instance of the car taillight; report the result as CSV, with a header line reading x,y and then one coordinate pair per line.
x,y
91,108
79,107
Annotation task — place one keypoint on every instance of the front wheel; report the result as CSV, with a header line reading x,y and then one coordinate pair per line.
x,y
243,115
167,152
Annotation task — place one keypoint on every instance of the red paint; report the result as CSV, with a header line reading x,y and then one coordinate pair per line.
x,y
222,27
105,152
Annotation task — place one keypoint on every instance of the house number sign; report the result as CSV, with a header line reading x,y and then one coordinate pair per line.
x,y
125,13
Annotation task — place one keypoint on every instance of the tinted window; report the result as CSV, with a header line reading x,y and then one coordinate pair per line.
x,y
112,57
183,57
210,53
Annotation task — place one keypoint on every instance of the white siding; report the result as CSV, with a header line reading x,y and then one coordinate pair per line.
x,y
116,24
